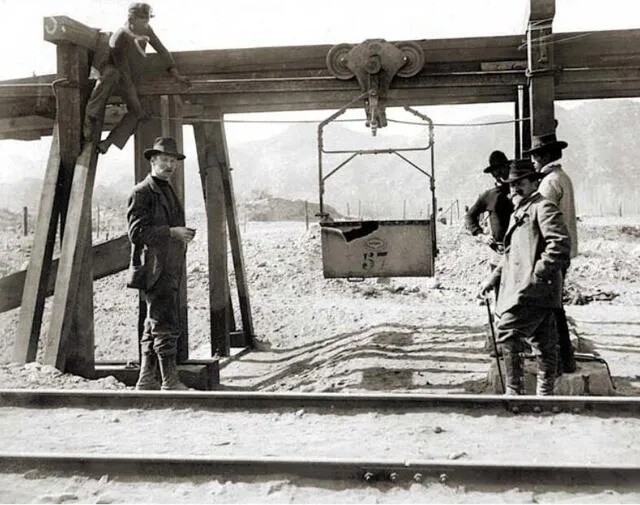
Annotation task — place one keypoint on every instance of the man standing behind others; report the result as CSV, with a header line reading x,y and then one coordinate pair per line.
x,y
495,202
158,234
546,152
537,247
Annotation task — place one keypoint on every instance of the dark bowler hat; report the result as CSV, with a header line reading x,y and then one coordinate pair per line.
x,y
519,169
497,159
140,10
544,142
164,145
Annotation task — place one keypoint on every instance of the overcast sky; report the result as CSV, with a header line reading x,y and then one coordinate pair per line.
x,y
210,24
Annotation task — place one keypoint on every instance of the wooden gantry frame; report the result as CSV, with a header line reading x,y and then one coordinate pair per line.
x,y
531,71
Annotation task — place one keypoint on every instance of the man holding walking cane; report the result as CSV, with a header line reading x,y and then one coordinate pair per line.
x,y
537,248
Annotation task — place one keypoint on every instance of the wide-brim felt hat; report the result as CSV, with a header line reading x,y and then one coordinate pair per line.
x,y
497,159
520,169
542,143
164,145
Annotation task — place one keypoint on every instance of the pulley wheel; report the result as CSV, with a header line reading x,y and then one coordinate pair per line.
x,y
337,61
414,59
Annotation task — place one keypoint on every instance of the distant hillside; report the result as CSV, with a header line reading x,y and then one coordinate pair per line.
x,y
601,160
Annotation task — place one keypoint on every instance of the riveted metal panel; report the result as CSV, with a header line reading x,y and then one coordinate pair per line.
x,y
355,249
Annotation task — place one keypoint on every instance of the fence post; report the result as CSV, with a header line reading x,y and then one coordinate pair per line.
x,y
25,221
306,214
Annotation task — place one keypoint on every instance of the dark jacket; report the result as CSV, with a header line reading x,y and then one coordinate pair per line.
x,y
537,247
128,52
150,215
497,203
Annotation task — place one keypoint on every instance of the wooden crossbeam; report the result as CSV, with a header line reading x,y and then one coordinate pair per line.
x,y
108,258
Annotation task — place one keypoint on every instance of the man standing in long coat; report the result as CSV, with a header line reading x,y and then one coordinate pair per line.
x,y
537,248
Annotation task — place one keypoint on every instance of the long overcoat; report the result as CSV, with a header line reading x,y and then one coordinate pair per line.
x,y
150,215
537,248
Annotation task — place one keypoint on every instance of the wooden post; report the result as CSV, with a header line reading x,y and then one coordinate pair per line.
x,y
37,276
25,221
73,295
526,125
171,126
306,214
146,133
205,135
540,66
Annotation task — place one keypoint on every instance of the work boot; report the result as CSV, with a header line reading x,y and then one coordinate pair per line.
x,y
514,372
546,378
170,377
147,380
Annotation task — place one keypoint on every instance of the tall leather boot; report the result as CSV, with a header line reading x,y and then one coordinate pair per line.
x,y
170,377
147,380
546,378
514,372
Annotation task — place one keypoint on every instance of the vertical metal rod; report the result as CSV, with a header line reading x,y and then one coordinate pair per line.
x,y
493,341
517,124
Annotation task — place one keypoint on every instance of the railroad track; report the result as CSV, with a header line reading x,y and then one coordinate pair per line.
x,y
118,399
104,416
367,470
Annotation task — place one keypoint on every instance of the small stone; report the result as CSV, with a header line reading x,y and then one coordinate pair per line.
x,y
438,429
443,477
300,413
31,474
457,455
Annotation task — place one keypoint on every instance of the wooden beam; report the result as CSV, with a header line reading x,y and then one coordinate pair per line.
x,y
210,159
171,124
37,275
541,67
72,256
108,258
63,29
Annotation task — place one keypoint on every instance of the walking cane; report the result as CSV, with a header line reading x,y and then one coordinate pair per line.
x,y
493,341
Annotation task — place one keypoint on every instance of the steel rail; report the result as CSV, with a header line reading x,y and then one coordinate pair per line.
x,y
398,471
332,402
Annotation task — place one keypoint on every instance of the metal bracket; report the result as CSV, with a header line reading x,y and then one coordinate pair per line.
x,y
374,63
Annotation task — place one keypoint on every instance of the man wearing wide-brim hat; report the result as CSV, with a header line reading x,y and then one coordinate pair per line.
x,y
556,185
537,247
494,201
159,241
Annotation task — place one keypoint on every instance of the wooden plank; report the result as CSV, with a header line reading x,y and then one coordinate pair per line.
x,y
206,136
108,258
170,112
80,355
15,125
236,247
72,256
37,274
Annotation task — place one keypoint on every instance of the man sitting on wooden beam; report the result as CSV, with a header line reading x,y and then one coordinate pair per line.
x,y
120,73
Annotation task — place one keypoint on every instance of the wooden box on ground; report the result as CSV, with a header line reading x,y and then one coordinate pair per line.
x,y
203,375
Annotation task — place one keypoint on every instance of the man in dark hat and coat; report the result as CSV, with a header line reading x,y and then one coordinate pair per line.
x,y
120,70
159,241
495,201
556,185
537,247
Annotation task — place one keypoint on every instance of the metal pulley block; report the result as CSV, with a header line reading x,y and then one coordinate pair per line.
x,y
374,63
